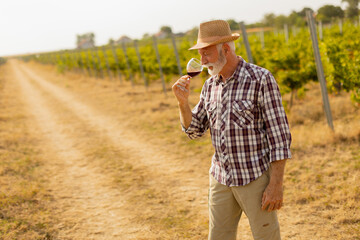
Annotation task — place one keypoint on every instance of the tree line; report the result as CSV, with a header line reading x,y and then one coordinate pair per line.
x,y
326,14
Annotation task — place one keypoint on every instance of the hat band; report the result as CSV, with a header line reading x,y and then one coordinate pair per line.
x,y
212,39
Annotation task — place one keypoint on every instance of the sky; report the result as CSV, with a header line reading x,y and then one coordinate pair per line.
x,y
29,26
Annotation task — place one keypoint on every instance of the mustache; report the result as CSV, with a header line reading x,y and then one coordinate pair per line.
x,y
208,65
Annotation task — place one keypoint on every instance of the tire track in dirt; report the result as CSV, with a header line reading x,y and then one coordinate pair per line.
x,y
182,195
195,198
158,163
81,191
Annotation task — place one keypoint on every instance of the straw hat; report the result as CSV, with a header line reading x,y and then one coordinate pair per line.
x,y
214,32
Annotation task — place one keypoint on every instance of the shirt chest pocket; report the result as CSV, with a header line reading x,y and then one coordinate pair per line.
x,y
242,113
211,109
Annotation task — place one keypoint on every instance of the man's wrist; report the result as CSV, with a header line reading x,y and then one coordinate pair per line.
x,y
276,182
183,104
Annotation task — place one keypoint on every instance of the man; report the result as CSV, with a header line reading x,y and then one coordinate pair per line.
x,y
241,105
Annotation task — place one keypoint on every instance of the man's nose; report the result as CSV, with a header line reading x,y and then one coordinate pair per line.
x,y
203,61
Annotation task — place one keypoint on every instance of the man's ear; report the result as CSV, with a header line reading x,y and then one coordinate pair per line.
x,y
226,48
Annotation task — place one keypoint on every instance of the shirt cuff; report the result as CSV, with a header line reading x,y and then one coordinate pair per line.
x,y
183,128
279,154
190,129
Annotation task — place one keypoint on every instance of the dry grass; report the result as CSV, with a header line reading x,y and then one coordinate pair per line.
x,y
322,180
323,177
322,190
23,201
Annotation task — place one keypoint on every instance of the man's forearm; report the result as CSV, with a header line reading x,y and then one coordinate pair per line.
x,y
273,195
185,114
277,172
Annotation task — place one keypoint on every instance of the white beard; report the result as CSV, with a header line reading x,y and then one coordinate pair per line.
x,y
217,66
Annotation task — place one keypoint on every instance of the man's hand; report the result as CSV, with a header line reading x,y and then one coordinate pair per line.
x,y
181,89
273,195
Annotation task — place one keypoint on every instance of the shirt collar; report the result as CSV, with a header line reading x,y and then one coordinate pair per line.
x,y
235,75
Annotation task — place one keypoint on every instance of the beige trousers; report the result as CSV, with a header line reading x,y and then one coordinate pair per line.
x,y
226,205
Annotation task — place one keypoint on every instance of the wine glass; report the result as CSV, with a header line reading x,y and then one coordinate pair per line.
x,y
194,67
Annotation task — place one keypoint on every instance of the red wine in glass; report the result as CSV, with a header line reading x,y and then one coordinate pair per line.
x,y
193,74
194,67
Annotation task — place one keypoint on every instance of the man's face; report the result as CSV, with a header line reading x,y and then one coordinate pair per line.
x,y
213,59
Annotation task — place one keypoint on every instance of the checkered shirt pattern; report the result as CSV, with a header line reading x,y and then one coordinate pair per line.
x,y
248,125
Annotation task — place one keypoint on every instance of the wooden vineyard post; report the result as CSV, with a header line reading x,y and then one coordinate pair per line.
x,y
81,63
76,59
286,30
159,62
176,54
320,30
262,38
88,63
106,62
60,59
294,31
341,27
67,60
116,61
140,63
246,42
127,64
94,64
99,62
319,69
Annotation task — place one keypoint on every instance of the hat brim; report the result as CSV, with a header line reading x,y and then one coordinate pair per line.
x,y
200,45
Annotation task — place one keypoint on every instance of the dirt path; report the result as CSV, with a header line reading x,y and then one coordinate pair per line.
x,y
126,139
81,192
114,176
87,201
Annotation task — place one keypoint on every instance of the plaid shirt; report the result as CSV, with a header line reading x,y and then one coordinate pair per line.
x,y
248,124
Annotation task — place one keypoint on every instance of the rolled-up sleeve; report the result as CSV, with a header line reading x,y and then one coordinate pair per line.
x,y
199,122
275,120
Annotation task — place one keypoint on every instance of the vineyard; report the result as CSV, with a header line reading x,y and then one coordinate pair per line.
x,y
287,54
91,148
